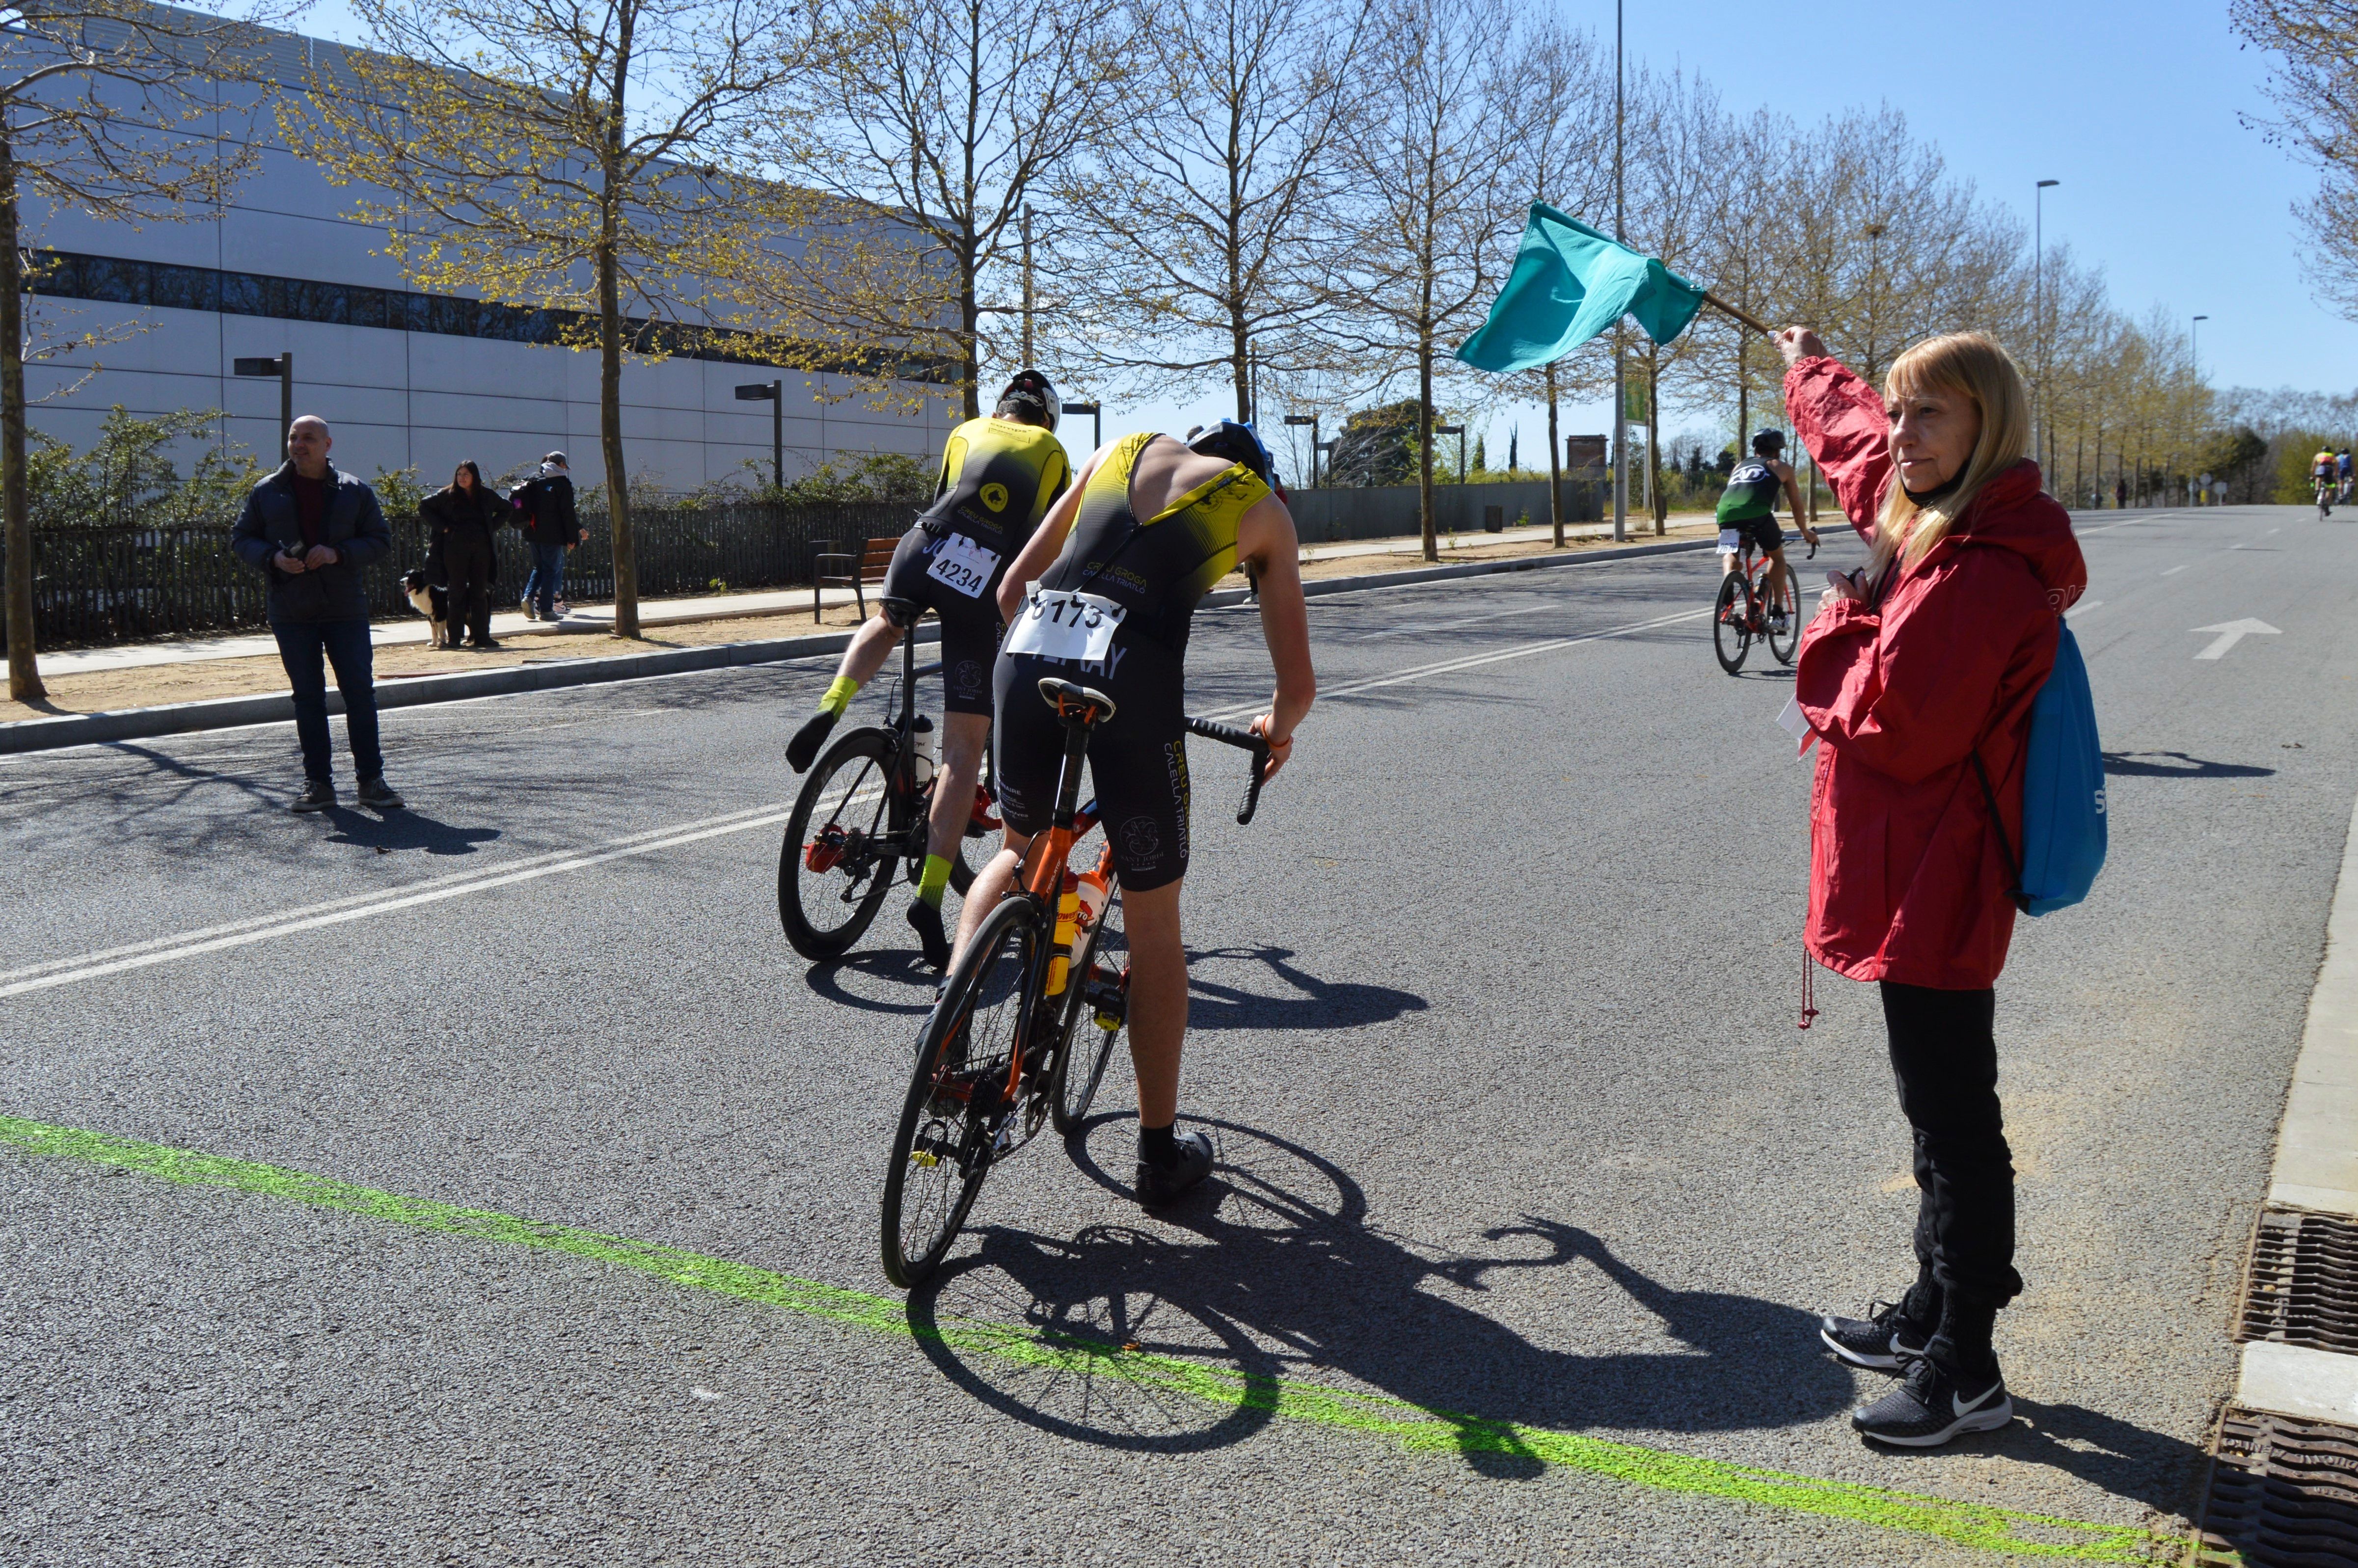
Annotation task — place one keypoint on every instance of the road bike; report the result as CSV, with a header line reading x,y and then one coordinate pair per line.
x,y
1741,614
862,817
1003,1051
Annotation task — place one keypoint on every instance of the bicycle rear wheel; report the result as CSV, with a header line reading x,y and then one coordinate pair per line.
x,y
1098,993
835,866
1731,621
957,1093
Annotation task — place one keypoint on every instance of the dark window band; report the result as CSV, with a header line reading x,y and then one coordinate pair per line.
x,y
67,274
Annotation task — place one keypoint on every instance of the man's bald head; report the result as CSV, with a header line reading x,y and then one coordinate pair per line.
x,y
307,445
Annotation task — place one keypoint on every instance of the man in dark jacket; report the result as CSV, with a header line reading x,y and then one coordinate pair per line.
x,y
311,529
552,526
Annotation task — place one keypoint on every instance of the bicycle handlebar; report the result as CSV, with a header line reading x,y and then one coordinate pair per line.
x,y
1244,740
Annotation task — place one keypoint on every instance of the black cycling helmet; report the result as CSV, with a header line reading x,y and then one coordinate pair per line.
x,y
1029,394
1236,442
1768,441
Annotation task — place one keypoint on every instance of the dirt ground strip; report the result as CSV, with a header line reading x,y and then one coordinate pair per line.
x,y
150,686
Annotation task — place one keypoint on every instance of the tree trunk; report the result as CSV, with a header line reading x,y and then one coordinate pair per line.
x,y
1425,442
970,340
1240,360
1742,394
23,669
1556,464
609,427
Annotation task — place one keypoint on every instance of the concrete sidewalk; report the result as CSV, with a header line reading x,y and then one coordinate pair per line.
x,y
2316,1169
584,619
598,619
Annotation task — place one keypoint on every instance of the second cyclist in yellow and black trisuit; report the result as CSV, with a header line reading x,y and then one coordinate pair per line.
x,y
999,476
1151,526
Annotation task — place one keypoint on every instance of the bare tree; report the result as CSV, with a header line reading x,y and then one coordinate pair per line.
x,y
100,105
1565,156
573,159
949,116
1197,207
1425,238
2316,46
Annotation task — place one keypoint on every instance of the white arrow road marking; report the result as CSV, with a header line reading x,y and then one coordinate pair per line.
x,y
2232,632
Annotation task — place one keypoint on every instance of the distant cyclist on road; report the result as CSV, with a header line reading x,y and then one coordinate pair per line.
x,y
2325,475
1748,510
1000,475
2342,462
1151,526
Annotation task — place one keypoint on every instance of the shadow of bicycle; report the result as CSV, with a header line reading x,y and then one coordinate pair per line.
x,y
1273,1272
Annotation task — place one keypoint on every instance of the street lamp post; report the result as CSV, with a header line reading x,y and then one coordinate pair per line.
x,y
1620,396
774,392
1311,421
1096,411
2198,346
283,367
2038,315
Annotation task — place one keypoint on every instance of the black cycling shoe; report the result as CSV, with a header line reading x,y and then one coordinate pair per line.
x,y
1934,1405
925,920
1158,1185
803,749
1883,1341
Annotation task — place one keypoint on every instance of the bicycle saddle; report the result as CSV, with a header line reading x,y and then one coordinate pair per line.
x,y
902,612
1075,704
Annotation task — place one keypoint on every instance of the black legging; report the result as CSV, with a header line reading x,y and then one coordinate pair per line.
x,y
1944,1055
467,561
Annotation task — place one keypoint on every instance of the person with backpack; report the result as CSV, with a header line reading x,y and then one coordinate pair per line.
x,y
1919,677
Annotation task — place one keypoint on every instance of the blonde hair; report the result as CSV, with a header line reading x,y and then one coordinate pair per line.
x,y
1972,365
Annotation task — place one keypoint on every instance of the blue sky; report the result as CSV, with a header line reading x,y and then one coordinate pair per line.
x,y
2133,108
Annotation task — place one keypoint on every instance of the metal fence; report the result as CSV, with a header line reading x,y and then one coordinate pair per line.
x,y
105,583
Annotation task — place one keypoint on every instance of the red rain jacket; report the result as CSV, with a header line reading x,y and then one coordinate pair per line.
x,y
1907,882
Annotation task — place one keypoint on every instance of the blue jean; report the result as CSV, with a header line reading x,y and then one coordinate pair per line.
x,y
546,583
345,645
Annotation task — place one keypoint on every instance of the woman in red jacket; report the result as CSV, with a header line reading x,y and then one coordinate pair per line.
x,y
1916,665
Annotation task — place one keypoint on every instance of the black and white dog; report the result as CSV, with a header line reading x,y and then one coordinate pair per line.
x,y
433,602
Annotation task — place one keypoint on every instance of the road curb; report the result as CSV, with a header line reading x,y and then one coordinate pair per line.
x,y
279,707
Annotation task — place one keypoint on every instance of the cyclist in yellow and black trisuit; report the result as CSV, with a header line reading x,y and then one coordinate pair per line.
x,y
1151,526
1748,510
999,476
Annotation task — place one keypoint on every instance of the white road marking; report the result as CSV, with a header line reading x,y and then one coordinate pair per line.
x,y
2086,605
311,917
2179,567
266,928
2232,632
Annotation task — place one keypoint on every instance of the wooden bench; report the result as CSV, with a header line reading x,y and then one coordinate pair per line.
x,y
834,569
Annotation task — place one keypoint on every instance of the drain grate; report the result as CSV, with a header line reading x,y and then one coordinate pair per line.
x,y
2304,1283
2284,1494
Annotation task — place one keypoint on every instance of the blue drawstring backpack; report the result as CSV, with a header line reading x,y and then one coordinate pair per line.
x,y
2063,837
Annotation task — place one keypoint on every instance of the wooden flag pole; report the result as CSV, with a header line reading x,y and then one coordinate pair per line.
x,y
1710,298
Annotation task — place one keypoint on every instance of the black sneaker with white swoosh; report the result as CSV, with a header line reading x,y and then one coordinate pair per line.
x,y
1882,1341
1933,1405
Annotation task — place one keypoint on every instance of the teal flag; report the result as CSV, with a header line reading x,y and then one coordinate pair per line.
x,y
1570,283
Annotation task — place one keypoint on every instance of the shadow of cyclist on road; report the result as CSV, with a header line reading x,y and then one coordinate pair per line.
x,y
1315,1004
1282,1277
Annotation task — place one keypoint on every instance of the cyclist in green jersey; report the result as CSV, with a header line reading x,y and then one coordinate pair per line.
x,y
1748,510
1146,531
1000,475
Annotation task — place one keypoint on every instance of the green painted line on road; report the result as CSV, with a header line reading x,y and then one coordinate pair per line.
x,y
1414,1427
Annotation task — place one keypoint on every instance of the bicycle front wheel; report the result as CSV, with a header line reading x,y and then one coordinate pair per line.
x,y
837,859
1731,621
957,1099
1786,639
1096,1007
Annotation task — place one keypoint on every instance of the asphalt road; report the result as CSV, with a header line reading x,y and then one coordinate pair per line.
x,y
1531,1188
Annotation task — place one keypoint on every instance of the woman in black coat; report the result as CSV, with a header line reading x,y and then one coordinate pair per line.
x,y
460,519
